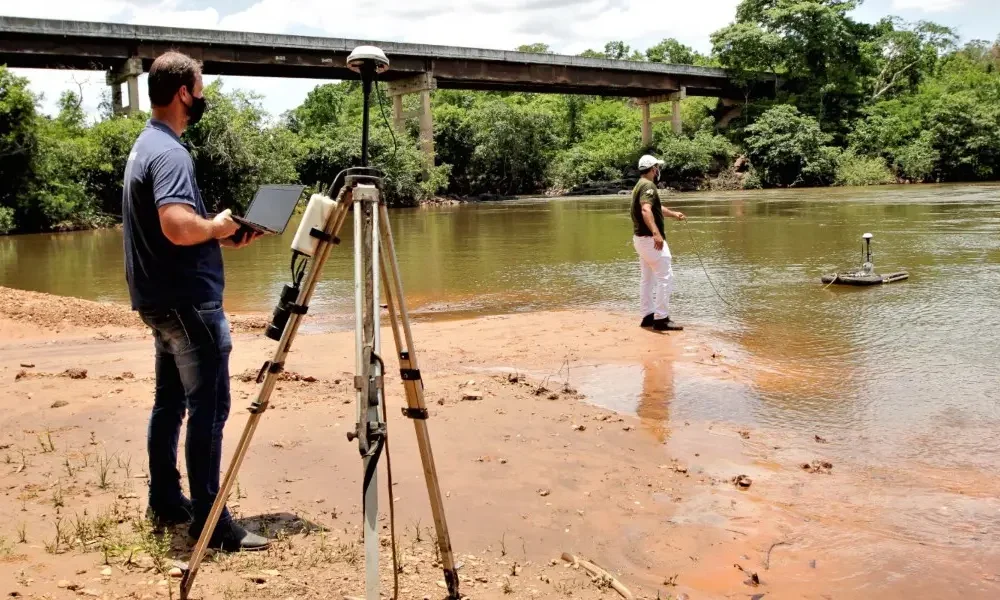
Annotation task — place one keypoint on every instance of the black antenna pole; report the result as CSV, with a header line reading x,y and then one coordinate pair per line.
x,y
367,75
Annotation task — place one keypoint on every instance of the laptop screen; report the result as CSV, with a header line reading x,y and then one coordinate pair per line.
x,y
273,206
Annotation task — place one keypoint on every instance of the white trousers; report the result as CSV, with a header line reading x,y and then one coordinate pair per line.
x,y
657,277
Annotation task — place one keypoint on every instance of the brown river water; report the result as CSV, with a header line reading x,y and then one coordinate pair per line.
x,y
900,377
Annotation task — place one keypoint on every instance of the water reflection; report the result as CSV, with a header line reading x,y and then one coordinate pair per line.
x,y
653,406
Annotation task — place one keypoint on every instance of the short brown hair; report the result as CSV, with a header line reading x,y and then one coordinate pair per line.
x,y
170,72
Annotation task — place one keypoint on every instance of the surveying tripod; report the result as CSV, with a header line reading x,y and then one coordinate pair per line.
x,y
374,263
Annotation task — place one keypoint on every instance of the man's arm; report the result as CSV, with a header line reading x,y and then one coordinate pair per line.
x,y
184,227
174,192
673,214
647,217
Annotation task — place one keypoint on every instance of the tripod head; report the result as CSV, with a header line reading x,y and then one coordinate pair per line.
x,y
368,61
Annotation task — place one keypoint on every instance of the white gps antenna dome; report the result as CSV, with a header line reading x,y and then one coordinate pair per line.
x,y
365,53
867,236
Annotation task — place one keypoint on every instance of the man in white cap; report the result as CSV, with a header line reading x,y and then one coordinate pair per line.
x,y
654,254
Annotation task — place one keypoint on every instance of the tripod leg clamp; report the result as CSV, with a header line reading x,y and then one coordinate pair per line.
x,y
269,367
324,236
376,382
415,413
410,374
298,309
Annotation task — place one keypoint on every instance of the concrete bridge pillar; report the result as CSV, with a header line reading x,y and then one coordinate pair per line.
x,y
675,118
422,84
726,111
128,73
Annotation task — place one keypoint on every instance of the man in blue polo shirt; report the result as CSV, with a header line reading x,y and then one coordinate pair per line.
x,y
173,265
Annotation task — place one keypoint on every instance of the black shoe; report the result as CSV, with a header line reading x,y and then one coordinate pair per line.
x,y
168,516
666,325
230,537
647,321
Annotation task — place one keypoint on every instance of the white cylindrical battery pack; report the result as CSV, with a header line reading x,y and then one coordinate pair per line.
x,y
317,212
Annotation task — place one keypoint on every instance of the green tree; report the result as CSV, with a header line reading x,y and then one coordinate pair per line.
x,y
671,51
536,48
18,146
904,54
323,106
619,50
235,151
788,148
813,44
71,117
111,141
512,153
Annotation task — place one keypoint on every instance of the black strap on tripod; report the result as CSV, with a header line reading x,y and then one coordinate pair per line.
x,y
420,414
408,374
372,466
269,367
324,236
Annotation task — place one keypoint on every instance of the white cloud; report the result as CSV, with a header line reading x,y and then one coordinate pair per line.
x,y
927,5
87,10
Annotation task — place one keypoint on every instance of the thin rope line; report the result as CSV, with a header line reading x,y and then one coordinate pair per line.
x,y
703,268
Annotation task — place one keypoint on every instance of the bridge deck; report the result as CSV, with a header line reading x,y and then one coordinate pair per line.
x,y
54,44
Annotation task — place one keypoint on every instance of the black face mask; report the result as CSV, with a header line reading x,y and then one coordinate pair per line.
x,y
196,110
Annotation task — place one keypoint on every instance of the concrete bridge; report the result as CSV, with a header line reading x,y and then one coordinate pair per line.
x,y
125,51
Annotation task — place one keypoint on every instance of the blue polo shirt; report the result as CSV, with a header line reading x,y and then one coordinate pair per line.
x,y
160,274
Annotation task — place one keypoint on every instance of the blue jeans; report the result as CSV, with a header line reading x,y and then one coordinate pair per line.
x,y
192,373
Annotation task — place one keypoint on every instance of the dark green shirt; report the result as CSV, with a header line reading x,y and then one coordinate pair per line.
x,y
645,192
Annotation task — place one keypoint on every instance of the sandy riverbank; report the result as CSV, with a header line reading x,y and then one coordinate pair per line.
x,y
527,474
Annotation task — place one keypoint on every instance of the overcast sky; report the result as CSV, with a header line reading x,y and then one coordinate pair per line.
x,y
568,26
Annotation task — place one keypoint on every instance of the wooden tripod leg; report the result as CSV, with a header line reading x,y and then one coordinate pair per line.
x,y
259,405
416,407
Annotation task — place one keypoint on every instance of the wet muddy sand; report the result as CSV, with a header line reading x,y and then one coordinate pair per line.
x,y
534,468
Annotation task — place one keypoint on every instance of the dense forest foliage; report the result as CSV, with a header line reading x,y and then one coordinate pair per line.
x,y
855,104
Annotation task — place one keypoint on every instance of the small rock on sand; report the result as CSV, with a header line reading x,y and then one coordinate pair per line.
x,y
65,585
472,395
28,365
742,481
175,572
106,572
579,428
817,466
75,373
543,493
59,404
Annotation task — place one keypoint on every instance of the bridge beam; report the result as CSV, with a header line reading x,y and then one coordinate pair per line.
x,y
128,73
422,84
647,122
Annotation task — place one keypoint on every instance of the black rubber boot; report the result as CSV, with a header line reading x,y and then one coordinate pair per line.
x,y
230,537
666,325
168,516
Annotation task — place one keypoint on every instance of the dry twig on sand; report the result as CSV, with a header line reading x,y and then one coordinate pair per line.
x,y
599,572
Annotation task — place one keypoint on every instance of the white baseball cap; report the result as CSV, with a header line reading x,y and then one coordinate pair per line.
x,y
649,161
